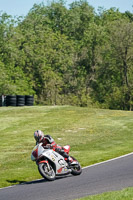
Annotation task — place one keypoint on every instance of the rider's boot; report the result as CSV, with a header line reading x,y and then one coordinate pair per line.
x,y
70,161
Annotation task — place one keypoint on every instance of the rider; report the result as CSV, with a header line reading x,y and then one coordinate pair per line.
x,y
49,142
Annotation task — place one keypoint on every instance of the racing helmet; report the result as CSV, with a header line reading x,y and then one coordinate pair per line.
x,y
38,135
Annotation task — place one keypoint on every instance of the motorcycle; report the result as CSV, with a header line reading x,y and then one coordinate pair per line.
x,y
51,164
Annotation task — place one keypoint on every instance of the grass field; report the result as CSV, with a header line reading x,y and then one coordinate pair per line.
x,y
94,135
126,194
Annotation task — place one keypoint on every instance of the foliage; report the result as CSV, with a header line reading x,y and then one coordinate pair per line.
x,y
69,55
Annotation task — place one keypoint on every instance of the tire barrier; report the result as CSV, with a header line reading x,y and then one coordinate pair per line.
x,y
20,100
16,100
29,100
11,100
0,100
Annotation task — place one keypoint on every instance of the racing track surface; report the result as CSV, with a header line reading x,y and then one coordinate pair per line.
x,y
115,174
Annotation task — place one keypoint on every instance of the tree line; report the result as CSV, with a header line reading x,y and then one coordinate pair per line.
x,y
72,55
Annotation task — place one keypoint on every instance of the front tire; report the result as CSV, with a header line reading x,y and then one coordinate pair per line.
x,y
47,172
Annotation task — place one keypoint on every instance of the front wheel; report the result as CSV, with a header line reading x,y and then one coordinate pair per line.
x,y
47,171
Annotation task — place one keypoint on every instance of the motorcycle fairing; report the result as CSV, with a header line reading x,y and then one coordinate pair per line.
x,y
58,160
36,151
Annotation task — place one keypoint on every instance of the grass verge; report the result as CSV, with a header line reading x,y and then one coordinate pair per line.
x,y
125,194
94,135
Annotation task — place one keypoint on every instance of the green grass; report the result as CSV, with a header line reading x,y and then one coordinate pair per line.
x,y
94,135
125,194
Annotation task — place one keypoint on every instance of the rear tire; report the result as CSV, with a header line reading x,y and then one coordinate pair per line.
x,y
76,169
45,172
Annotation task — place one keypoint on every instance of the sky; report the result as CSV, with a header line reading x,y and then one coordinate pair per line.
x,y
22,7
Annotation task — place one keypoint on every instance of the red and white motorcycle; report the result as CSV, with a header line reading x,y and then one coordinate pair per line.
x,y
52,164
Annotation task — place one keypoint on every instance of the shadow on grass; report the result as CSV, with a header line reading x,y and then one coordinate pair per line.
x,y
18,182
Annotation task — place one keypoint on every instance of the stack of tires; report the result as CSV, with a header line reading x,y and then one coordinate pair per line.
x,y
11,100
20,100
0,100
29,100
17,100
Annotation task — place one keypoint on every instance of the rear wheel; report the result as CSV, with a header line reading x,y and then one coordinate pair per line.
x,y
47,171
76,168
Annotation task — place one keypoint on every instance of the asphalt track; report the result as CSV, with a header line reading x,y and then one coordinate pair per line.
x,y
111,175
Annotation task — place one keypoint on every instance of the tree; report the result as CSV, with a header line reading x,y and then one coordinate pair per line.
x,y
122,45
114,71
80,15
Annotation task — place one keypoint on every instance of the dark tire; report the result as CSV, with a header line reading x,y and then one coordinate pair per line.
x,y
11,100
29,100
76,169
45,172
20,100
0,100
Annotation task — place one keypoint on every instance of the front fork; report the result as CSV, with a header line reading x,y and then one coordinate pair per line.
x,y
44,161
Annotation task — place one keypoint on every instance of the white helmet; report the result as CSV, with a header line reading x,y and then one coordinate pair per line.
x,y
38,135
